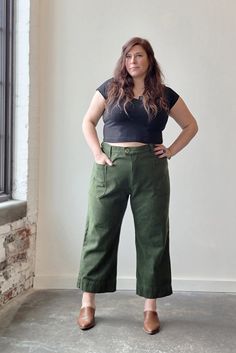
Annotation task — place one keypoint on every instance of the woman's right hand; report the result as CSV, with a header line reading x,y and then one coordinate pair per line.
x,y
102,158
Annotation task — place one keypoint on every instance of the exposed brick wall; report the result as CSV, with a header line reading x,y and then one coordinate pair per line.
x,y
17,253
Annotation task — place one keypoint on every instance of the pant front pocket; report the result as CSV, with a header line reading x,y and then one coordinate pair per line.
x,y
100,179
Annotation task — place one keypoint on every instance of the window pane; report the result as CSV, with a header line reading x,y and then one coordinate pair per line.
x,y
6,96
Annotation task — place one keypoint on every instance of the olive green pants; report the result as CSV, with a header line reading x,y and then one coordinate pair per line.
x,y
139,174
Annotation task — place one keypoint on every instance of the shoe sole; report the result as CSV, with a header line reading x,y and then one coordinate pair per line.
x,y
87,328
151,332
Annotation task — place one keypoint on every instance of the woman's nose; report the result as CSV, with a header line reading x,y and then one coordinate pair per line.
x,y
132,59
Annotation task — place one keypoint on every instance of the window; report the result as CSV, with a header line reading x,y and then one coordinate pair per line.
x,y
6,97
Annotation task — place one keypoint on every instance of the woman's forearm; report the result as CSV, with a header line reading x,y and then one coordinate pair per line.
x,y
91,137
184,138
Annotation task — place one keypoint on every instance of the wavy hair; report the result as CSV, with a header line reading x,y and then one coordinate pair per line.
x,y
121,87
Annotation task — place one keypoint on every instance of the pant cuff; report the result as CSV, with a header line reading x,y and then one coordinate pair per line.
x,y
88,285
151,293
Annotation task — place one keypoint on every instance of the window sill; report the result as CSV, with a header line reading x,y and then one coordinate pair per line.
x,y
12,210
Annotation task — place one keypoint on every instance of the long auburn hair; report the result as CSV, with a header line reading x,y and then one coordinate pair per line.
x,y
121,87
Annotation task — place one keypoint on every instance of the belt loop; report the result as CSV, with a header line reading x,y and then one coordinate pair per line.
x,y
150,146
110,151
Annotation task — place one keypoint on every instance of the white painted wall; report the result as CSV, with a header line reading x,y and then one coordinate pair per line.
x,y
80,43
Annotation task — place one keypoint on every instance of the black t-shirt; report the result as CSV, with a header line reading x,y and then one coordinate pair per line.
x,y
136,126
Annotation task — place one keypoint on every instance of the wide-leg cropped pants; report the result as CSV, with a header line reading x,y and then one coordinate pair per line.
x,y
137,173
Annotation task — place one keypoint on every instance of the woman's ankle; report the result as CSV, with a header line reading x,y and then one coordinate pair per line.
x,y
150,305
88,299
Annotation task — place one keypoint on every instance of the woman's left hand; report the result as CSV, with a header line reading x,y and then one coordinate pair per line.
x,y
161,151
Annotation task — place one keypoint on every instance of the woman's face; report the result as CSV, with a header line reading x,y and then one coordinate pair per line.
x,y
136,62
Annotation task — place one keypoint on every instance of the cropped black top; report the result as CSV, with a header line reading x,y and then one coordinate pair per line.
x,y
134,127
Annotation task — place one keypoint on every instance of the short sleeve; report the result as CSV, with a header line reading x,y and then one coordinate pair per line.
x,y
171,96
103,88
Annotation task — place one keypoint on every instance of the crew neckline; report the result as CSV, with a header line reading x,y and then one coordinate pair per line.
x,y
139,98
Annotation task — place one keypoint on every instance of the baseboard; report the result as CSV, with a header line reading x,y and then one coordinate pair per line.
x,y
129,283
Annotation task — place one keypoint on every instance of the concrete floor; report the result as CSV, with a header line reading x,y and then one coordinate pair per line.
x,y
42,321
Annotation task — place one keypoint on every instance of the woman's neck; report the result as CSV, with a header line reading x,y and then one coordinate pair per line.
x,y
138,86
138,83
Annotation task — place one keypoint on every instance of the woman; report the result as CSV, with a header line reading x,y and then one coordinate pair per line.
x,y
131,162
